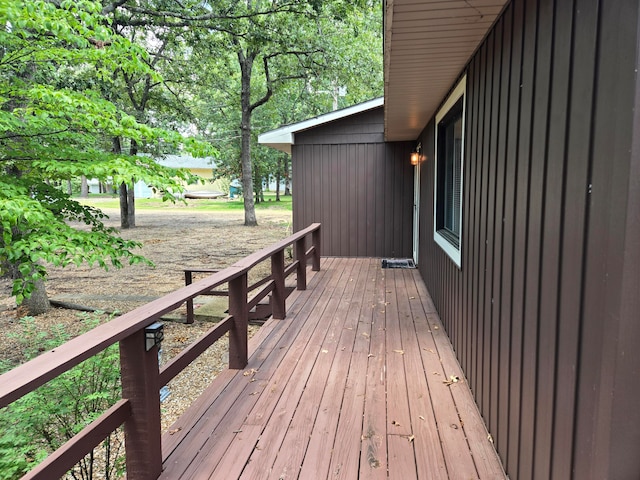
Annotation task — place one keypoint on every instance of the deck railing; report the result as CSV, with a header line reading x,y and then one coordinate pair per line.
x,y
139,408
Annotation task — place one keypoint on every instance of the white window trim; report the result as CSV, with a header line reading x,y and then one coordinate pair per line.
x,y
454,253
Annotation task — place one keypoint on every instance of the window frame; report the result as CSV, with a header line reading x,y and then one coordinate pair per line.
x,y
441,235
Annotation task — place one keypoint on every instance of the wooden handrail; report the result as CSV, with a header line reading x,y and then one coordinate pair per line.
x,y
141,377
27,377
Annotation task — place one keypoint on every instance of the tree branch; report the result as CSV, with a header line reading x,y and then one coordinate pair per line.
x,y
112,6
35,135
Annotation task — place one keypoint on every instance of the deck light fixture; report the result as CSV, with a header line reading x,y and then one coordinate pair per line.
x,y
153,335
416,156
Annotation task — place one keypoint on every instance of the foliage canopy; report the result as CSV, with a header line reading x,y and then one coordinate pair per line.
x,y
55,125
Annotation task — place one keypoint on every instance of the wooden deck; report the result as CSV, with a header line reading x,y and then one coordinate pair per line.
x,y
356,382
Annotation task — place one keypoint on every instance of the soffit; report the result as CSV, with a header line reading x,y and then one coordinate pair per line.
x,y
427,43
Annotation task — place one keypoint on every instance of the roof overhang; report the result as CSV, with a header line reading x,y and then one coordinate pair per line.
x,y
282,138
427,44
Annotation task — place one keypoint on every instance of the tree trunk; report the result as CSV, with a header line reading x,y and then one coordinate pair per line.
x,y
131,194
246,66
84,187
124,205
38,302
69,188
278,173
127,206
131,205
287,181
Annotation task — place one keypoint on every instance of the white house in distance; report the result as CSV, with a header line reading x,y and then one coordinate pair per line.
x,y
198,166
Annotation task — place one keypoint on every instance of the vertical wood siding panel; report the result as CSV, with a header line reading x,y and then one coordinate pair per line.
x,y
366,164
489,215
469,212
492,332
361,221
336,222
349,157
483,336
508,130
343,206
572,249
407,203
524,442
379,191
405,187
625,461
553,205
343,213
608,450
540,340
393,176
400,166
329,231
308,185
336,201
360,207
534,233
510,307
379,187
295,184
477,239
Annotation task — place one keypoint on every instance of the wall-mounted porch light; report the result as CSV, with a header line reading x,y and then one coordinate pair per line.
x,y
153,335
416,155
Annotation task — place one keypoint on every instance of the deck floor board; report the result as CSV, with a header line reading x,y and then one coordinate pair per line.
x,y
349,385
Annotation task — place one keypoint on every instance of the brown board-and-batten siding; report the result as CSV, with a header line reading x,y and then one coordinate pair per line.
x,y
544,312
359,187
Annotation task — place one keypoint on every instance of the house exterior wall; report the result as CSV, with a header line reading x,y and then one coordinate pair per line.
x,y
360,188
544,312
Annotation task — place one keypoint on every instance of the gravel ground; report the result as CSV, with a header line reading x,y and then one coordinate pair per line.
x,y
173,239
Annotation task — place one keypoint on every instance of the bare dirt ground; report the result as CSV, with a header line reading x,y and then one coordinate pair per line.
x,y
173,239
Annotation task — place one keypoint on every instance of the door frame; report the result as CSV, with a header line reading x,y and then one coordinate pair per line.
x,y
416,211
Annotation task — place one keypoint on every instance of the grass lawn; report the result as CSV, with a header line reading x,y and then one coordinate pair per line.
x,y
204,204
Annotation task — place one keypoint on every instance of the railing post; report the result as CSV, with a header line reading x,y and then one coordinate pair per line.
x,y
315,240
300,252
238,308
279,296
188,279
140,385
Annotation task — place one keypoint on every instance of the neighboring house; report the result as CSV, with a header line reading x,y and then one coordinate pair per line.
x,y
197,166
526,116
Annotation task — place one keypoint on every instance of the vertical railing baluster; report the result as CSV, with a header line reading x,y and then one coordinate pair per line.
x,y
140,385
238,308
315,240
188,279
301,256
278,296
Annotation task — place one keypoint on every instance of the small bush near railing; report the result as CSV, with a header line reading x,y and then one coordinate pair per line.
x,y
46,418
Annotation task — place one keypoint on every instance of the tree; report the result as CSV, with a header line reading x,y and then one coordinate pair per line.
x,y
274,42
51,129
151,99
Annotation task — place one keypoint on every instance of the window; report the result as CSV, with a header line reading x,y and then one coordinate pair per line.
x,y
447,231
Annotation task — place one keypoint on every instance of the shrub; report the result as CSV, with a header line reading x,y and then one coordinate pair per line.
x,y
43,420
